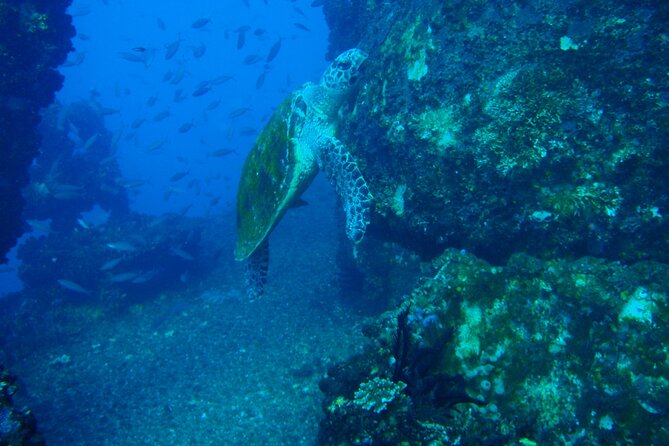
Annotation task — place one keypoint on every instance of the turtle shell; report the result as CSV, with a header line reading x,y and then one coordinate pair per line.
x,y
277,170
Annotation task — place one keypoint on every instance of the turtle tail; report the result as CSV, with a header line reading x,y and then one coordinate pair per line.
x,y
342,171
256,271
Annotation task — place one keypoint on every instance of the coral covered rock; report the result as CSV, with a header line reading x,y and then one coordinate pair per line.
x,y
533,352
513,126
17,425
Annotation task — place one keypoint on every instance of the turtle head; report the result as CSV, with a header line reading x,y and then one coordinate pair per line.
x,y
343,71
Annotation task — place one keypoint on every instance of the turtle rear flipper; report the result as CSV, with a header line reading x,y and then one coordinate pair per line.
x,y
256,271
342,171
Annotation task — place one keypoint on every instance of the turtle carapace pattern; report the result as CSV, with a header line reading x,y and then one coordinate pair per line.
x,y
299,139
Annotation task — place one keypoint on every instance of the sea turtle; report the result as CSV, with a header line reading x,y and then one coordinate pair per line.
x,y
298,140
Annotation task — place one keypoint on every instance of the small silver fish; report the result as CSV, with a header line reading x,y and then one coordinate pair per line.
x,y
122,246
72,286
273,51
183,254
124,277
200,23
111,264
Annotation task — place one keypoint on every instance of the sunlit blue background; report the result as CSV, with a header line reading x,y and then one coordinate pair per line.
x,y
98,72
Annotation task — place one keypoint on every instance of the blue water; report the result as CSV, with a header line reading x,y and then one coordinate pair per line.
x,y
108,29
133,92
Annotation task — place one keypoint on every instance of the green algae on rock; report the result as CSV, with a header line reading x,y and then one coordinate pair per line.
x,y
503,140
555,349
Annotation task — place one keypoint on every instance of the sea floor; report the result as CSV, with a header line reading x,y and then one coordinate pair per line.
x,y
193,369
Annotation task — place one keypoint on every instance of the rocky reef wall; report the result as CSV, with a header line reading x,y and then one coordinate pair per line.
x,y
35,37
517,155
515,126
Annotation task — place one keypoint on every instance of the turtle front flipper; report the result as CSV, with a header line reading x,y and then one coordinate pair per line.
x,y
256,271
342,171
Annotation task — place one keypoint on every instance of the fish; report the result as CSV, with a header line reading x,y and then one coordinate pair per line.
x,y
151,101
200,23
179,175
108,160
273,51
137,123
67,188
179,95
252,59
236,113
198,51
213,104
183,254
162,115
301,26
110,264
108,111
221,152
124,277
145,276
172,48
132,57
83,223
299,11
184,210
259,32
77,59
117,137
67,195
261,80
248,131
178,75
185,127
145,57
156,145
168,76
220,79
72,286
128,183
90,141
201,91
122,247
241,36
66,192
161,24
158,221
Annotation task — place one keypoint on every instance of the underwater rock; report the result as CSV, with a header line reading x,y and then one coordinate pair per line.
x,y
114,264
77,167
35,41
476,127
18,426
534,352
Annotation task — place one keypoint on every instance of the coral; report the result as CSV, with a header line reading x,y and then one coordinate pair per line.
x,y
17,425
377,393
500,124
515,337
